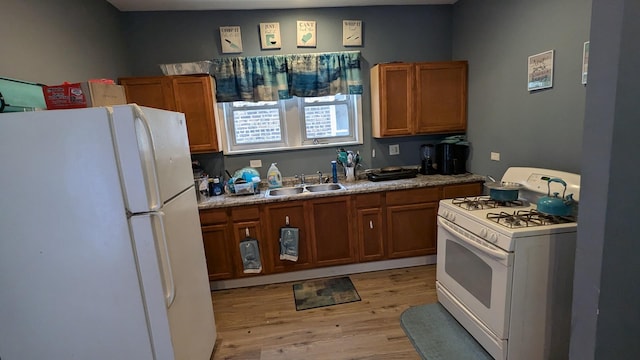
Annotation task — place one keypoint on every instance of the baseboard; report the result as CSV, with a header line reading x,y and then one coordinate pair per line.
x,y
323,272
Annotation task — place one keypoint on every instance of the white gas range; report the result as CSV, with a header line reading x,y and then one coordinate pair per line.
x,y
505,270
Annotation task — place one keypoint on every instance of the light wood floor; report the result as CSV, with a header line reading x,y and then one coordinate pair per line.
x,y
261,322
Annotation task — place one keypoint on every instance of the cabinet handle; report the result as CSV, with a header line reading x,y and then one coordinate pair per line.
x,y
286,220
370,224
246,231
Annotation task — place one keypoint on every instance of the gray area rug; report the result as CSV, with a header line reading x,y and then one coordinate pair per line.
x,y
437,335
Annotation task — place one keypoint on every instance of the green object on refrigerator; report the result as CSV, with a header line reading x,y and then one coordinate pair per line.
x,y
18,96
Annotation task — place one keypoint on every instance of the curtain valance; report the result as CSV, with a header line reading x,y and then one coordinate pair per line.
x,y
277,77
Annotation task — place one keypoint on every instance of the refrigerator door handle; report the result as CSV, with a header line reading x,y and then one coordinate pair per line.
x,y
156,203
165,262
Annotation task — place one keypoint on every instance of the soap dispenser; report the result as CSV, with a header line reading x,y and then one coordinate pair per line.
x,y
274,178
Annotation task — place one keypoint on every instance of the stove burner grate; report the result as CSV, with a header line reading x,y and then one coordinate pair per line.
x,y
481,203
526,218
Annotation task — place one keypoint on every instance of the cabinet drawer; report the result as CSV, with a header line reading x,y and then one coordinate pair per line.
x,y
368,200
461,190
245,213
413,196
213,217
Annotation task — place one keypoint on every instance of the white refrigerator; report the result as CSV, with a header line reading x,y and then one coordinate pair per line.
x,y
101,254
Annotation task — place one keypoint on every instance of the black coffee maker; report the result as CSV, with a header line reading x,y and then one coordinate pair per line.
x,y
452,157
428,159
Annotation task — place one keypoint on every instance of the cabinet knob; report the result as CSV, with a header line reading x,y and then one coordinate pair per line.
x,y
370,224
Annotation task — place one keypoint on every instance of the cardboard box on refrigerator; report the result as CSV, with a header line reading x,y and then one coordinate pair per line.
x,y
103,94
86,94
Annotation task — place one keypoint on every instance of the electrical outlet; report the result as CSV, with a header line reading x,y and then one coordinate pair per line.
x,y
495,156
394,149
255,163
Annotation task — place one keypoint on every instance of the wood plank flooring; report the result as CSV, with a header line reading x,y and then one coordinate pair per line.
x,y
261,322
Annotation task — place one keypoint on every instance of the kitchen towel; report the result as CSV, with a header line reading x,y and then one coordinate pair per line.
x,y
289,243
250,253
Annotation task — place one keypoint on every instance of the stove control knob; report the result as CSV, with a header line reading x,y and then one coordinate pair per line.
x,y
452,216
483,233
445,214
493,238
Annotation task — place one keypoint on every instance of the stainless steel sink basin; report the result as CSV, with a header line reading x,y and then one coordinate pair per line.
x,y
290,191
324,187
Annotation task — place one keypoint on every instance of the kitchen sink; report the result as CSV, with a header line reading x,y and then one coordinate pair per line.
x,y
324,187
290,191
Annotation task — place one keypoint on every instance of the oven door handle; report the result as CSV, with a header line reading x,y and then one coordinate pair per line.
x,y
464,238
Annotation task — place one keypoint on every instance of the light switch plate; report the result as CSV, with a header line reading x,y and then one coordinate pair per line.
x,y
495,156
255,163
394,149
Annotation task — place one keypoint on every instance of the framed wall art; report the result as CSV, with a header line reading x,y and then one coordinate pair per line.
x,y
540,71
351,32
585,62
270,36
306,33
231,39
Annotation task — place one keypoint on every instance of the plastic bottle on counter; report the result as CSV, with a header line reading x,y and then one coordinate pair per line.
x,y
274,178
215,187
334,171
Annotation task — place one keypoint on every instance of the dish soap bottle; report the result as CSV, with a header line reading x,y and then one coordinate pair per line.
x,y
274,178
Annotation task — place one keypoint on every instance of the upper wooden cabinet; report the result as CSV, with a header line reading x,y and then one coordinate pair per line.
x,y
192,95
418,98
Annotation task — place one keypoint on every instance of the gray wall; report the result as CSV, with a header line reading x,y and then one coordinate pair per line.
x,y
606,311
51,42
541,128
393,33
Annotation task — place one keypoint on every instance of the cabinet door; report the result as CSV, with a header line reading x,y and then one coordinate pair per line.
x,y
332,231
274,218
370,234
220,263
194,97
155,92
392,99
441,97
411,229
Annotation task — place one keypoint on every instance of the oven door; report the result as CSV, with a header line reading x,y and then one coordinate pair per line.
x,y
477,273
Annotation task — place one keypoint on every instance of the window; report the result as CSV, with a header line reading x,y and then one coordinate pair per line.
x,y
290,124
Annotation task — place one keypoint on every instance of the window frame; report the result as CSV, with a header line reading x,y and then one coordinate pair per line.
x,y
292,126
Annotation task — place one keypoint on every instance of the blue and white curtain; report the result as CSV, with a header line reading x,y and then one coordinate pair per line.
x,y
277,77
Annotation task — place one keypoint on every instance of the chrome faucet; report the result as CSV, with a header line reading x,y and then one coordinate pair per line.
x,y
301,177
319,176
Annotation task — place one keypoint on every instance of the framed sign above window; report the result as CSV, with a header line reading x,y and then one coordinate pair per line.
x,y
230,39
270,36
351,32
306,33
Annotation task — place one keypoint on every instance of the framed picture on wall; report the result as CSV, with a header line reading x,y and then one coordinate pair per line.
x,y
306,33
270,35
540,71
351,32
230,39
585,62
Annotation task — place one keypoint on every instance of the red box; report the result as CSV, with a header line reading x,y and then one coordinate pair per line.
x,y
65,96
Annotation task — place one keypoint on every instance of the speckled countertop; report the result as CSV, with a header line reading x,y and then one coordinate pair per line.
x,y
358,187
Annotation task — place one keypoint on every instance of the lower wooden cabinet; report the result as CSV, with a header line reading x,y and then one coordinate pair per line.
x,y
411,222
277,215
370,230
331,231
334,230
245,223
217,247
